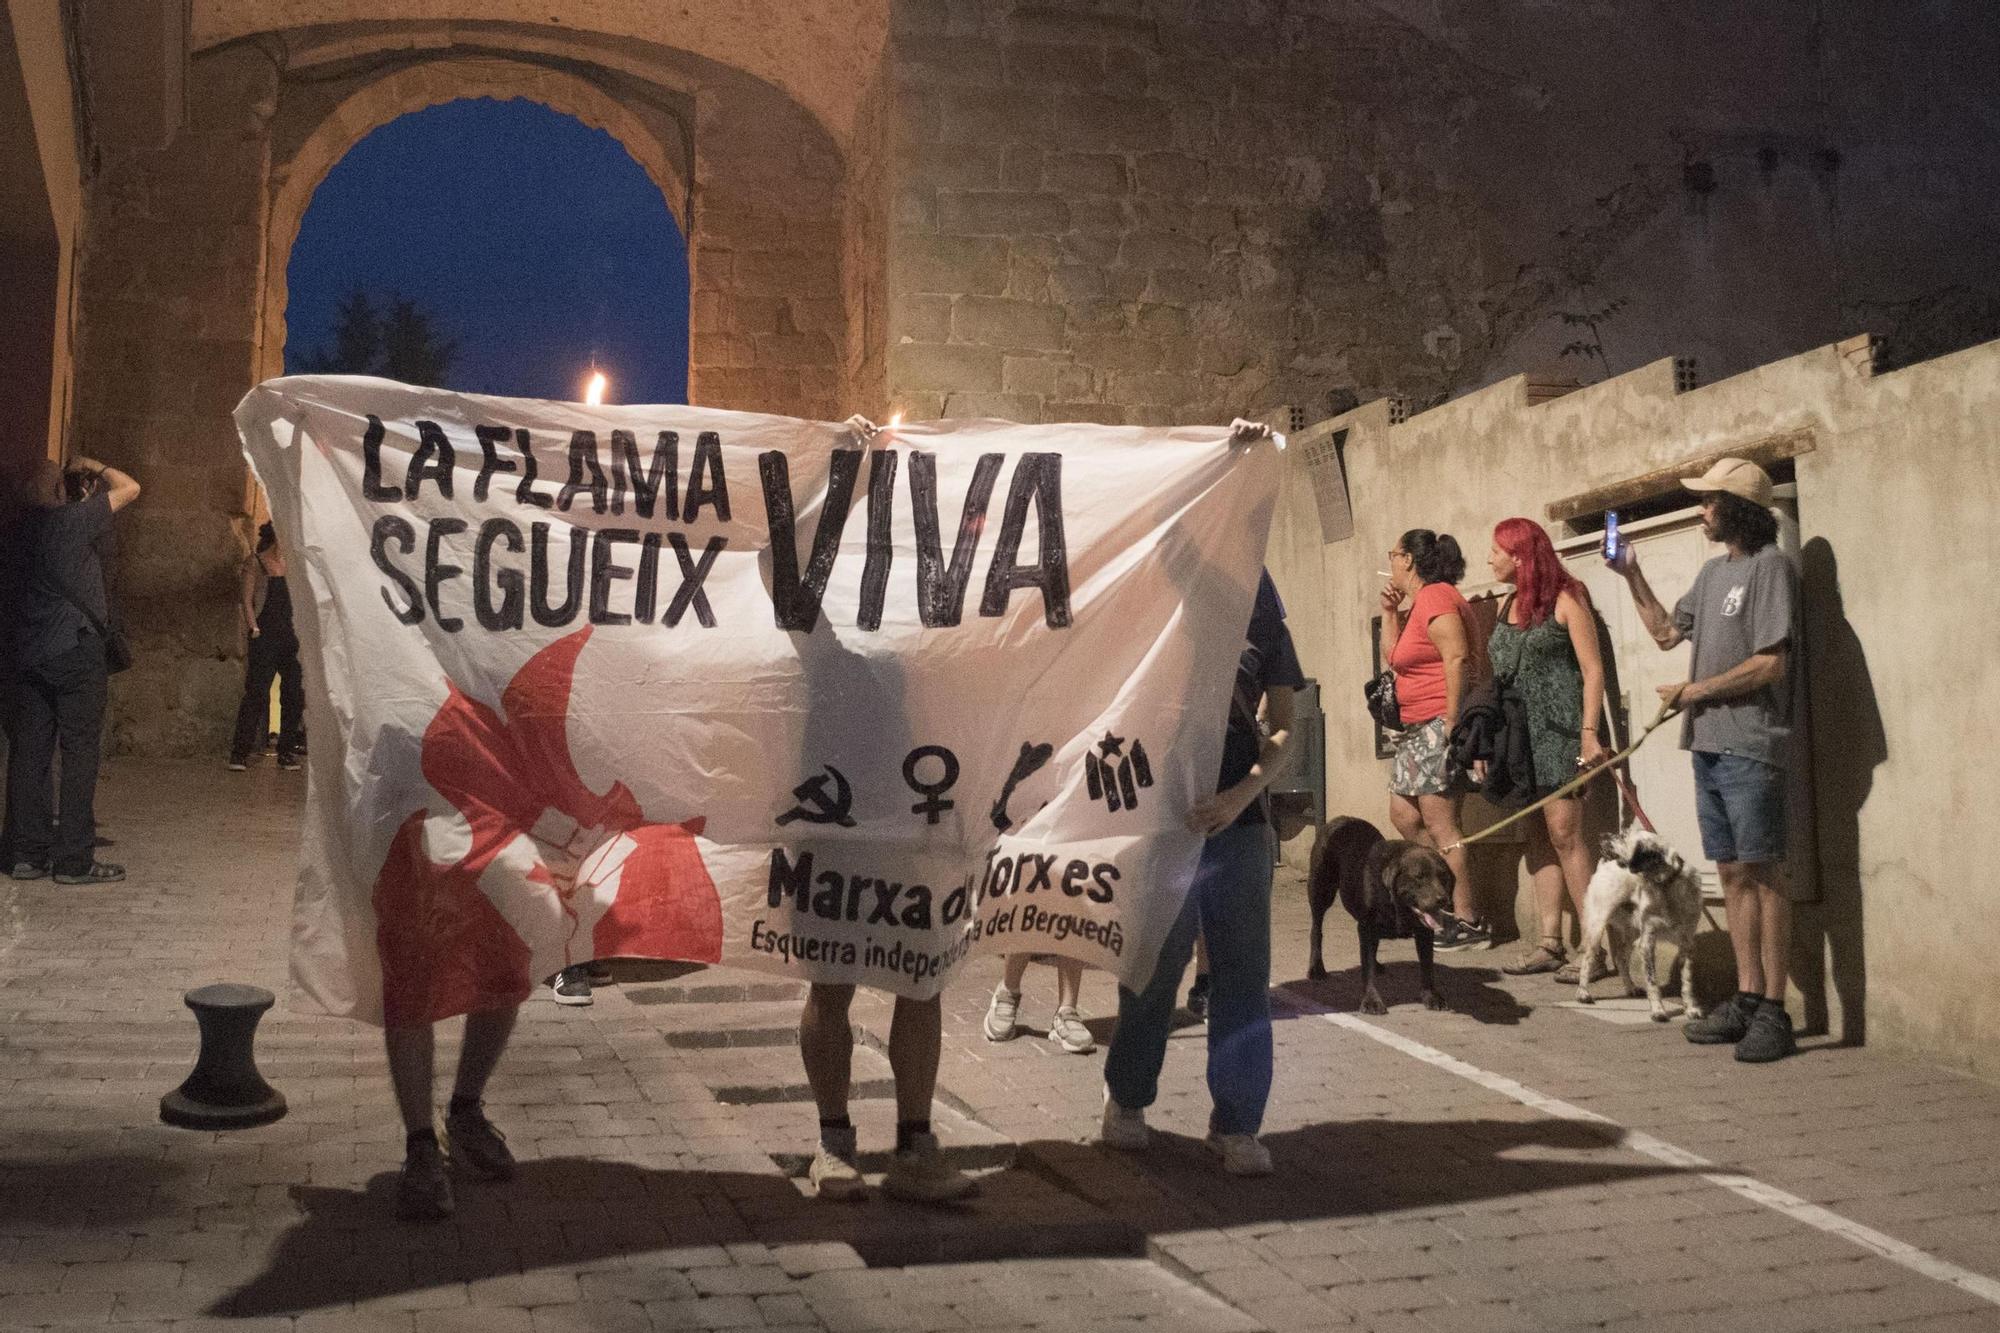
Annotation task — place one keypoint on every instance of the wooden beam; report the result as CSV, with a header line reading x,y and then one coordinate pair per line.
x,y
1770,450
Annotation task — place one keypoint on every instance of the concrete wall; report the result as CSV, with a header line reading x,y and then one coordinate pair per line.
x,y
1895,506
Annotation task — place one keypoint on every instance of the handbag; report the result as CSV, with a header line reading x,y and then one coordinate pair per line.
x,y
1380,692
117,648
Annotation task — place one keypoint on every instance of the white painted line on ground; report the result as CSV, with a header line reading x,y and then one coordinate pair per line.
x,y
1780,1201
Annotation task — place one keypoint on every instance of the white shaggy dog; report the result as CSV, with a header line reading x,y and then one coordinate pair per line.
x,y
1641,888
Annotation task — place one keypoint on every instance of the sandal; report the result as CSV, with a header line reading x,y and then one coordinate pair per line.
x,y
1541,959
1568,973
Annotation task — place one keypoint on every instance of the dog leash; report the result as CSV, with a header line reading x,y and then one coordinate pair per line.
x,y
1667,710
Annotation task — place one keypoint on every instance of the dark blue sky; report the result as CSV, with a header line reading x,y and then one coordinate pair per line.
x,y
534,240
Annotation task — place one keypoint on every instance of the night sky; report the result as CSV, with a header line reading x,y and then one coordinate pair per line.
x,y
533,240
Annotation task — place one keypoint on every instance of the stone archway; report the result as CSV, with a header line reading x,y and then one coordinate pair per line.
x,y
183,279
414,88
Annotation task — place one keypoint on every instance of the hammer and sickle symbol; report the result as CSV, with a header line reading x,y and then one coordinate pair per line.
x,y
816,807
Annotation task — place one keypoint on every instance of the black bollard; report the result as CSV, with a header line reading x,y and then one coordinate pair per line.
x,y
225,1091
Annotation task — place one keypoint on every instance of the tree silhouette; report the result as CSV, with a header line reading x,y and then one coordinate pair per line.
x,y
403,344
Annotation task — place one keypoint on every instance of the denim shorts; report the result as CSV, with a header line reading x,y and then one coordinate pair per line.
x,y
1740,805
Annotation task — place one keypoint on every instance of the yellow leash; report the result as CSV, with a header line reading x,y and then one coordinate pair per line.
x,y
1603,766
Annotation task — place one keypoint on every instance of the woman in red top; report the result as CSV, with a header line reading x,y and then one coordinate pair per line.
x,y
1432,658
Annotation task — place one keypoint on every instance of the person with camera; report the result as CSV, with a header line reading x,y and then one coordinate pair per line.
x,y
61,648
1431,656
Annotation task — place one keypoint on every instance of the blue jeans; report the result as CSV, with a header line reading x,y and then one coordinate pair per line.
x,y
1231,903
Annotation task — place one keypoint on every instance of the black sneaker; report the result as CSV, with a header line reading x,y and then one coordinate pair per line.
x,y
598,974
476,1145
1769,1037
1197,1001
289,763
100,872
571,986
423,1190
1460,934
1726,1024
28,870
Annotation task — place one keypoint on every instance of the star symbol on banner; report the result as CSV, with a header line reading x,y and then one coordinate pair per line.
x,y
1111,746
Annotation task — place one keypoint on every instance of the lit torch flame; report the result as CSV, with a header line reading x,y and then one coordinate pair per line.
x,y
895,420
594,393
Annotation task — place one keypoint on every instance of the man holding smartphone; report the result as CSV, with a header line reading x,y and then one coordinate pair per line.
x,y
1741,617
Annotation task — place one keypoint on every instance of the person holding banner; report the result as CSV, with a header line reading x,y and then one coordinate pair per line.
x,y
918,1170
1230,904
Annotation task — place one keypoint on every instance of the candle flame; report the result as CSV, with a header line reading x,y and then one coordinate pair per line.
x,y
594,393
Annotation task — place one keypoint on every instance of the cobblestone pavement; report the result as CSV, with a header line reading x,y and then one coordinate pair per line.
x,y
1509,1165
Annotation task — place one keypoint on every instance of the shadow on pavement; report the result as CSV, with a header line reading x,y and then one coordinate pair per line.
x,y
1059,1199
1466,990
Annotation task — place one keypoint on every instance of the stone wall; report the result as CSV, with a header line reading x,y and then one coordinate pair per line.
x,y
1897,494
170,278
1166,210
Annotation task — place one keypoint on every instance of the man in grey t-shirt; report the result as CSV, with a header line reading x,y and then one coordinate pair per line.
x,y
1741,617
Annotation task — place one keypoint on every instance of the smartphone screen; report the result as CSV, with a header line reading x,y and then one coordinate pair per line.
x,y
1611,535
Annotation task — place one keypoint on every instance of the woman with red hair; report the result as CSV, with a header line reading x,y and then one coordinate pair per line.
x,y
1545,647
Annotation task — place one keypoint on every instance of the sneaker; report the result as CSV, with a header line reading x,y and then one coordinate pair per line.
x,y
598,974
289,763
238,765
1241,1154
28,870
477,1145
571,986
100,872
1068,1031
1461,934
835,1173
1769,1037
1726,1024
1123,1128
1197,1001
1002,1014
423,1190
920,1174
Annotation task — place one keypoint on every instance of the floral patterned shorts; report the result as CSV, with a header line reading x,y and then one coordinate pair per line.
x,y
1421,755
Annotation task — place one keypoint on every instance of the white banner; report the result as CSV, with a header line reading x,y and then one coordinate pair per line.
x,y
665,682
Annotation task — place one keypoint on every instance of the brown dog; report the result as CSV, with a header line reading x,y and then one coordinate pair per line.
x,y
1393,890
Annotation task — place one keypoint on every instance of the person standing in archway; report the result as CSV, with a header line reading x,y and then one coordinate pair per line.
x,y
273,653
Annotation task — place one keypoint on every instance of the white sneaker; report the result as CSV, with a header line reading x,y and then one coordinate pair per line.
x,y
1069,1031
1003,1014
1241,1154
834,1172
1123,1128
920,1174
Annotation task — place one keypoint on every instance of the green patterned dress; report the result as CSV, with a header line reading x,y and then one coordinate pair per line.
x,y
1541,666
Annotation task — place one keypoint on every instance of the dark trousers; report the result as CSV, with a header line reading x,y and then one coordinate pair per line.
x,y
270,656
58,703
